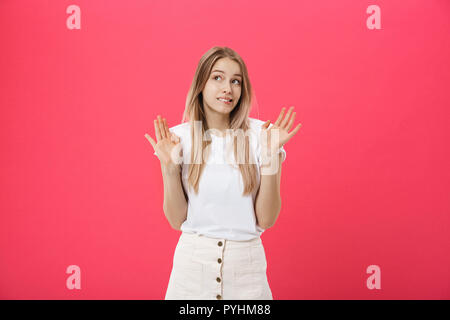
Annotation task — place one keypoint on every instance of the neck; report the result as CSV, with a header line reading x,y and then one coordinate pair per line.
x,y
218,121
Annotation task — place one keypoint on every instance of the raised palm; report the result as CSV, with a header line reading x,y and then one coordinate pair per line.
x,y
167,145
283,125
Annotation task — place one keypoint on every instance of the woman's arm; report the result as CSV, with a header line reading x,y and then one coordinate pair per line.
x,y
175,202
268,198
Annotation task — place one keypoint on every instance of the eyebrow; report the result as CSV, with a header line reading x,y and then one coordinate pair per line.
x,y
236,74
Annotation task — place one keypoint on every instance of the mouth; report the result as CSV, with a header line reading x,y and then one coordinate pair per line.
x,y
225,100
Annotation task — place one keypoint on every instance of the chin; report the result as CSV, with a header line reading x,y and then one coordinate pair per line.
x,y
226,110
222,109
225,107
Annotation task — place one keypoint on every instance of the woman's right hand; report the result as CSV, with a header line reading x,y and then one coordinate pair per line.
x,y
167,143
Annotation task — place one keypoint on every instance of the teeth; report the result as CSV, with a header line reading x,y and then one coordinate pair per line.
x,y
226,100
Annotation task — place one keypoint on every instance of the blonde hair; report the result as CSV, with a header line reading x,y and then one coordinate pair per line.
x,y
238,119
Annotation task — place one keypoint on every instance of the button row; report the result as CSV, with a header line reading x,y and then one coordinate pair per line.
x,y
219,297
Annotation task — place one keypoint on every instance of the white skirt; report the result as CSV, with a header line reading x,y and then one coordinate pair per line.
x,y
207,268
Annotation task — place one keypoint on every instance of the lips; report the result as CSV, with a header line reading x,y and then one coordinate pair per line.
x,y
225,100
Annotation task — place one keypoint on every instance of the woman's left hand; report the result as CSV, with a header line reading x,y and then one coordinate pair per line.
x,y
283,124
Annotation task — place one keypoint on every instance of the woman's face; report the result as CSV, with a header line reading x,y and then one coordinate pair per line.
x,y
225,82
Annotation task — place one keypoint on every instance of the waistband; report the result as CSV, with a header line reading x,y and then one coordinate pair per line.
x,y
204,240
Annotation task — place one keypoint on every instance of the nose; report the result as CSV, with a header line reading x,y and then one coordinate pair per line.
x,y
227,88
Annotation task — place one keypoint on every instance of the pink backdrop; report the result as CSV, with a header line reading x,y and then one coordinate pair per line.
x,y
365,182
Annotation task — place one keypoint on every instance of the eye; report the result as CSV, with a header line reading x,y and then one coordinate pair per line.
x,y
218,76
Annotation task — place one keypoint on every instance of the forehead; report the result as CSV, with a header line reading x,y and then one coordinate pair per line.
x,y
228,66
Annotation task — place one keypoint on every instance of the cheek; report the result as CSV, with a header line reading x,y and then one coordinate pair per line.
x,y
209,95
209,90
238,94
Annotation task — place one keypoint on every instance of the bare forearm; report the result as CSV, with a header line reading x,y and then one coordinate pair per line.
x,y
175,204
268,200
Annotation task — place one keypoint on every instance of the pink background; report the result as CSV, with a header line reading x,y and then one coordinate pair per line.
x,y
366,179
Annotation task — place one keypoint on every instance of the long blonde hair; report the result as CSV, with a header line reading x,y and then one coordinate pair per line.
x,y
238,119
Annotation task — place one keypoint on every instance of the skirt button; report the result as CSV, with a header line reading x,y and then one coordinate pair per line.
x,y
218,279
219,297
219,260
219,243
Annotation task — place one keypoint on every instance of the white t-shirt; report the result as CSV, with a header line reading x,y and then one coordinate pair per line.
x,y
219,210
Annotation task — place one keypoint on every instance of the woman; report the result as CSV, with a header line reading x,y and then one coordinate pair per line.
x,y
221,173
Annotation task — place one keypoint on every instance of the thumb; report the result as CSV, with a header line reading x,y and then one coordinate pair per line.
x,y
266,124
153,143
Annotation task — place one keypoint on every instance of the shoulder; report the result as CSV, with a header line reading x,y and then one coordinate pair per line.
x,y
255,124
181,129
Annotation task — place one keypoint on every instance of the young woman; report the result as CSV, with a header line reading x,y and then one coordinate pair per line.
x,y
221,172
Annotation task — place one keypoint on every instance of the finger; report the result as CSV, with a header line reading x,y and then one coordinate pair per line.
x,y
291,134
286,119
161,127
280,117
153,143
265,124
173,138
168,133
157,132
291,122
